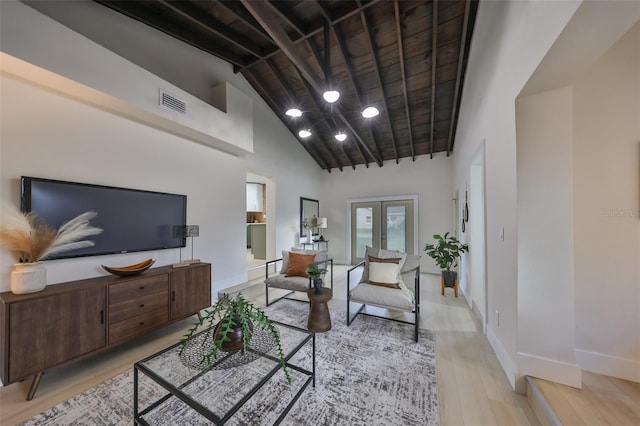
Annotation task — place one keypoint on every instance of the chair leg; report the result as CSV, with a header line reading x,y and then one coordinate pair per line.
x,y
442,286
455,288
417,329
266,293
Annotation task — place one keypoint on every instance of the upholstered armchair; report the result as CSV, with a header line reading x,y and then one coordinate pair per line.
x,y
390,280
292,275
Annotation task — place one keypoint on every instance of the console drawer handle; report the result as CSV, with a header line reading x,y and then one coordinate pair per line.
x,y
141,287
142,305
141,323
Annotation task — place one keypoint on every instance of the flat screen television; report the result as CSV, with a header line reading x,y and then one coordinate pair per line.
x,y
132,220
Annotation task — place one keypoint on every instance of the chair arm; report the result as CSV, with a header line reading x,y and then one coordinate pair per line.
x,y
266,265
349,274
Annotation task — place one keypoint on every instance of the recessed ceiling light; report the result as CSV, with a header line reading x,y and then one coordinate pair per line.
x,y
370,112
294,112
341,136
305,133
331,96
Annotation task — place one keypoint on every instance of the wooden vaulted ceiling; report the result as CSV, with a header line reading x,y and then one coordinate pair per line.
x,y
406,58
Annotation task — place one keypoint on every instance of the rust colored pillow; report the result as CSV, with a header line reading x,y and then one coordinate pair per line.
x,y
298,264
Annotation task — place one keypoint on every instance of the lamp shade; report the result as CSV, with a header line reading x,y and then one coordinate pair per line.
x,y
322,222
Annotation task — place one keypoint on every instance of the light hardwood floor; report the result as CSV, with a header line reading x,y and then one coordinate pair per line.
x,y
472,388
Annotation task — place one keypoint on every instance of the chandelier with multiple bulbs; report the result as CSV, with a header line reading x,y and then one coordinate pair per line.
x,y
330,96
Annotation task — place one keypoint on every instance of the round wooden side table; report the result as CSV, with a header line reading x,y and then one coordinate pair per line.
x,y
319,317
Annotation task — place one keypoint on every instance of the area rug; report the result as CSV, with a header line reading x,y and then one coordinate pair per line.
x,y
370,373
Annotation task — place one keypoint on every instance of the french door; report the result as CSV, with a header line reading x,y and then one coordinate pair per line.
x,y
381,224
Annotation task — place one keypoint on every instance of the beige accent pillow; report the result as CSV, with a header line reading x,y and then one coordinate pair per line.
x,y
383,254
384,272
298,264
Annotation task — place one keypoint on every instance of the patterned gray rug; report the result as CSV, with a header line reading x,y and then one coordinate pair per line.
x,y
371,373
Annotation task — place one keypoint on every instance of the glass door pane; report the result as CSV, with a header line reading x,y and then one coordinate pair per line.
x,y
394,233
364,232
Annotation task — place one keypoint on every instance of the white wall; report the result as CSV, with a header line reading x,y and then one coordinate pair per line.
x,y
545,237
429,179
606,149
523,48
52,135
509,41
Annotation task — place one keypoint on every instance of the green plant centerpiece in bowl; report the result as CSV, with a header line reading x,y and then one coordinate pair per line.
x,y
315,273
231,327
446,251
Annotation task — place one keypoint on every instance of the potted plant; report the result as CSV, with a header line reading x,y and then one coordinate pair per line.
x,y
234,321
315,273
33,241
446,252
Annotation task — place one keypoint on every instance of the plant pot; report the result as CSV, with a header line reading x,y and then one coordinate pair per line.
x,y
450,278
317,284
236,334
28,277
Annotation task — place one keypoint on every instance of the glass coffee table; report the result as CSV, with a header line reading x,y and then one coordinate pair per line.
x,y
244,385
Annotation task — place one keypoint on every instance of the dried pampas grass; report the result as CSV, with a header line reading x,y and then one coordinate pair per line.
x,y
34,240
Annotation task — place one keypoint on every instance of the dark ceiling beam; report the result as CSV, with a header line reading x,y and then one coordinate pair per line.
x,y
317,30
407,110
274,107
376,67
203,20
268,18
288,91
463,41
242,14
287,16
346,58
138,12
434,56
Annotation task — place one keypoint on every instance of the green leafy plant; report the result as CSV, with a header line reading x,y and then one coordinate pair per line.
x,y
315,272
229,313
446,251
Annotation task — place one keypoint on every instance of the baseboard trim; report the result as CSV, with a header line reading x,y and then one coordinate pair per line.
x,y
608,365
540,405
508,366
550,369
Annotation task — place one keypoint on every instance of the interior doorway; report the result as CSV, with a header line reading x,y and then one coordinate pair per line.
x,y
477,237
260,214
386,224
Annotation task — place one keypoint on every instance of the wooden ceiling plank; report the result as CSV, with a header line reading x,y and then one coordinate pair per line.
x,y
396,8
434,56
243,15
374,60
454,109
198,17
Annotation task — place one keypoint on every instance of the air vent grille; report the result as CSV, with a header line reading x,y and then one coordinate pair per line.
x,y
169,101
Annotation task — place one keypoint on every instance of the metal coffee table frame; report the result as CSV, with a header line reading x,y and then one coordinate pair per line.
x,y
140,367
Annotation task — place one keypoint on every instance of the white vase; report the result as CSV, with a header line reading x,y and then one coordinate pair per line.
x,y
28,277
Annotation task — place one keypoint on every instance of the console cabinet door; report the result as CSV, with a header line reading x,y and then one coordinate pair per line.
x,y
190,290
50,330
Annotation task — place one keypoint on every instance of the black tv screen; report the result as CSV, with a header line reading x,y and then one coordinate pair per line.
x,y
132,220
